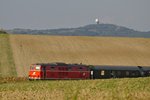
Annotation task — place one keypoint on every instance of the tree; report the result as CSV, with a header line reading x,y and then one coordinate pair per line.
x,y
3,31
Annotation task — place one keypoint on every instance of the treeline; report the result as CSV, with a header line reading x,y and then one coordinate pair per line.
x,y
3,32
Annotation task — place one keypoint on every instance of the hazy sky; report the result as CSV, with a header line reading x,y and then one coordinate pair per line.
x,y
49,14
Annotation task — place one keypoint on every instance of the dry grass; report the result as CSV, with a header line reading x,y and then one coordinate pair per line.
x,y
112,89
12,79
7,67
28,49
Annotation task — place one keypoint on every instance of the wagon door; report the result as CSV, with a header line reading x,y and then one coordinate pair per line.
x,y
44,72
84,73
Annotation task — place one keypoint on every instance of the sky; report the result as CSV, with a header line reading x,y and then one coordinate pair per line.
x,y
52,14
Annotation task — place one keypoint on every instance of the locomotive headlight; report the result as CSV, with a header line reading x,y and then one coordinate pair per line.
x,y
33,73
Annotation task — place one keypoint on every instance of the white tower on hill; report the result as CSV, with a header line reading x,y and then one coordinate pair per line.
x,y
97,21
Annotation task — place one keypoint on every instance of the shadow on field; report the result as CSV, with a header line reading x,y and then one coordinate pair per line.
x,y
12,79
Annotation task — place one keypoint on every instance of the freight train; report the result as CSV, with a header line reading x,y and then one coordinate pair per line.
x,y
56,71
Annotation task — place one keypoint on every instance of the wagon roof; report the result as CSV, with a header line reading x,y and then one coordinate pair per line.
x,y
110,67
146,67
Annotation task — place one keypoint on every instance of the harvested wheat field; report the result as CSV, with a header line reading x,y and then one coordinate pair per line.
x,y
28,49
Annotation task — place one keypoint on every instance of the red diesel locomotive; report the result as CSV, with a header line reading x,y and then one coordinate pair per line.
x,y
59,71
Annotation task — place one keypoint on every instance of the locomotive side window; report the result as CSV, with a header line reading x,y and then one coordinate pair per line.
x,y
61,68
80,68
32,67
102,72
69,68
52,68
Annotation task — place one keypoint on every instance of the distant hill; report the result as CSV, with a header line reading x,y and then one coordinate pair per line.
x,y
88,30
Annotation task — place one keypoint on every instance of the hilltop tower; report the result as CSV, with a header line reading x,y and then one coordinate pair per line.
x,y
97,21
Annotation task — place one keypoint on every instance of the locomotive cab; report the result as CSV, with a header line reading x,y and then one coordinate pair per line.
x,y
35,72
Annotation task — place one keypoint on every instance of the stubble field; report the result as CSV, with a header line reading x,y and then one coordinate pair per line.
x,y
17,52
29,49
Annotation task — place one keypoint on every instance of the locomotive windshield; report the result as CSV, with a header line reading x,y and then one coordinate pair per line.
x,y
35,67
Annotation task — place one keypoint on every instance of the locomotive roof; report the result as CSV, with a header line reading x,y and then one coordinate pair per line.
x,y
51,64
58,64
110,67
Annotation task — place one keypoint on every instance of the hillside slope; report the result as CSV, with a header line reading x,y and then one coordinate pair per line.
x,y
28,49
88,30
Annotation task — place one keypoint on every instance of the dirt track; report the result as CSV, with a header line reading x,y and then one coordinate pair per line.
x,y
7,67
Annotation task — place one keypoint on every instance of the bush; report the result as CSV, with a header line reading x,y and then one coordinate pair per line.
x,y
3,32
